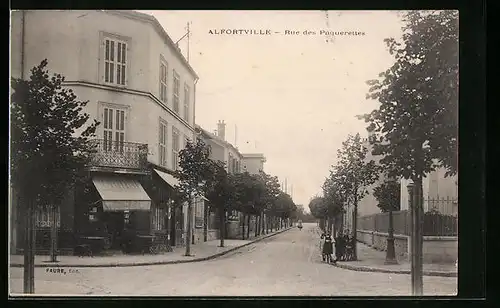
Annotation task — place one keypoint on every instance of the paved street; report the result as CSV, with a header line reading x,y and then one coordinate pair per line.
x,y
287,264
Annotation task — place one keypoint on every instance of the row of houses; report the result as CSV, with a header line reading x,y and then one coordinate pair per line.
x,y
143,91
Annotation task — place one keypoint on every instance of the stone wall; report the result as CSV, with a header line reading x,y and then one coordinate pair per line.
x,y
378,240
436,249
233,230
440,249
212,235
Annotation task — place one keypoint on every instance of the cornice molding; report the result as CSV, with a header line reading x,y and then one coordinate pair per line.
x,y
132,92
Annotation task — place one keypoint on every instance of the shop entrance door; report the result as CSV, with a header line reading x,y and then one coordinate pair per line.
x,y
115,222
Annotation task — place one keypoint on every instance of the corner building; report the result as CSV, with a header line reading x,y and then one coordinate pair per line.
x,y
142,91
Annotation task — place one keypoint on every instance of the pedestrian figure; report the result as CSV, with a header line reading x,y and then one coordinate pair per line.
x,y
327,248
339,251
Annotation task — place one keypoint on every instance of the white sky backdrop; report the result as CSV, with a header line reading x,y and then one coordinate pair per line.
x,y
293,98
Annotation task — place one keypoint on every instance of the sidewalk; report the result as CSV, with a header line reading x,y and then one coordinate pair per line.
x,y
199,252
371,260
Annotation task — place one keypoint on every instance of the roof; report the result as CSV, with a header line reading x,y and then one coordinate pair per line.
x,y
216,138
254,155
212,136
156,24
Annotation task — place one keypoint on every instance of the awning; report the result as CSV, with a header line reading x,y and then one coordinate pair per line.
x,y
168,178
121,194
172,181
203,197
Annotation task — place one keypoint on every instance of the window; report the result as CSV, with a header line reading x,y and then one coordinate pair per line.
x,y
176,91
186,141
43,218
114,129
175,148
162,144
234,166
158,218
115,61
198,214
186,102
163,81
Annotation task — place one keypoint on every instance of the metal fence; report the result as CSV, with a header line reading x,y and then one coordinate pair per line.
x,y
119,154
440,219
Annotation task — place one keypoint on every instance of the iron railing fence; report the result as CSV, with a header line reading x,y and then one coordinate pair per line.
x,y
119,154
440,219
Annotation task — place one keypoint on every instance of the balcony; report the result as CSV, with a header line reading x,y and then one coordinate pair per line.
x,y
119,155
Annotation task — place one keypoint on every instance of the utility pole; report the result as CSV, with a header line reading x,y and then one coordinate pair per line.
x,y
188,34
416,239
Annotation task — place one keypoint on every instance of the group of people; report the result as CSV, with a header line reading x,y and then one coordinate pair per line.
x,y
343,247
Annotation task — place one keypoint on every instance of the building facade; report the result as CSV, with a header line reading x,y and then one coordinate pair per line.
x,y
235,162
141,89
440,193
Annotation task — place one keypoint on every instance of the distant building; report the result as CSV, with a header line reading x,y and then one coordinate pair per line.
x,y
440,193
368,204
253,163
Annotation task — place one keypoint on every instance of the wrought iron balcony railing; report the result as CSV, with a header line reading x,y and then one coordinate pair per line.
x,y
117,154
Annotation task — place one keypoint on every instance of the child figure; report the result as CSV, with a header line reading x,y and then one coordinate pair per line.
x,y
327,247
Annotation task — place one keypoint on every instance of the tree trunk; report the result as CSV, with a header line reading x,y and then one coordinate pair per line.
x,y
53,234
188,227
243,226
263,223
248,226
355,227
257,225
29,248
206,213
222,225
171,221
417,239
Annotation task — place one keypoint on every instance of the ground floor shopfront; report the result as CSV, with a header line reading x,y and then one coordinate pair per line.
x,y
110,210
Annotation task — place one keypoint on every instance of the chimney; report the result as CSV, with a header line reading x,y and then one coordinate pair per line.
x,y
221,130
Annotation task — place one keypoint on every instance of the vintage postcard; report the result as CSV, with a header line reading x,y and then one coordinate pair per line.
x,y
233,153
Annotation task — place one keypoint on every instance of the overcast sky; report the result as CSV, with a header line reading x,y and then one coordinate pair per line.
x,y
293,98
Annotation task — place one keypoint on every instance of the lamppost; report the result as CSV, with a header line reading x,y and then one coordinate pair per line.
x,y
390,256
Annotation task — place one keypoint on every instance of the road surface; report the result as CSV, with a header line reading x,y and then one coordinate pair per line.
x,y
288,264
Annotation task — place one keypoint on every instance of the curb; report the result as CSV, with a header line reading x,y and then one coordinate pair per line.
x,y
158,262
383,270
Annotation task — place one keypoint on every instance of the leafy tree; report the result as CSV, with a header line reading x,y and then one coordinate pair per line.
x,y
301,214
319,209
284,206
272,190
196,168
415,127
334,201
249,190
50,146
353,174
388,195
221,191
